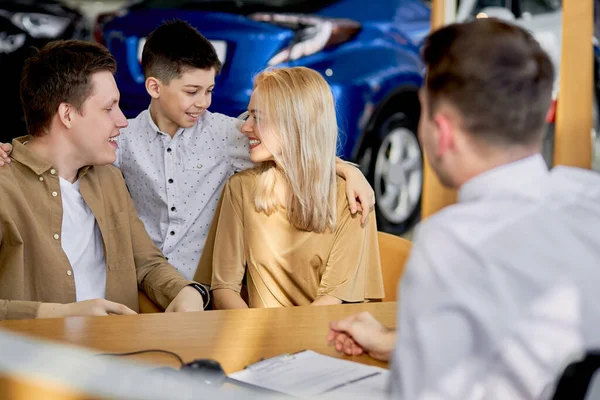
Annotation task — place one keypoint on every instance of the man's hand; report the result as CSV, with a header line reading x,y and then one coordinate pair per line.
x,y
361,333
187,300
357,187
5,150
95,307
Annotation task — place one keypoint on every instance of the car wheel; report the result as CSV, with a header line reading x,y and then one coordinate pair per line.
x,y
395,171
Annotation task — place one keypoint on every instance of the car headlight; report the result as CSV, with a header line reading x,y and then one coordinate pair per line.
x,y
311,33
40,26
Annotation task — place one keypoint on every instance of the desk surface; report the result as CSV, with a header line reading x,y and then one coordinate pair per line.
x,y
235,338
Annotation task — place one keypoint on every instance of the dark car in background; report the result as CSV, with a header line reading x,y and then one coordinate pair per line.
x,y
24,26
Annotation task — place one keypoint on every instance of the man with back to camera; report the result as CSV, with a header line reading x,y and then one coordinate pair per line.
x,y
517,231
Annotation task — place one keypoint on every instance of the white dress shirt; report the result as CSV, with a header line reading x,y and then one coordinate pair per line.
x,y
81,241
176,182
516,232
525,364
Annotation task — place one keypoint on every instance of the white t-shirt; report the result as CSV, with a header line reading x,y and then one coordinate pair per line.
x,y
82,243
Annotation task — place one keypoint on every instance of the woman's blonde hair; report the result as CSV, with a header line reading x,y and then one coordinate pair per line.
x,y
298,111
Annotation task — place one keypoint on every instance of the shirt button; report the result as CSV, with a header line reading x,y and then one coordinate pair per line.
x,y
69,272
172,233
54,194
173,209
170,180
56,236
199,166
41,179
53,171
169,150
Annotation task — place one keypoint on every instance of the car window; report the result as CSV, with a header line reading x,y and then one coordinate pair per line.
x,y
536,7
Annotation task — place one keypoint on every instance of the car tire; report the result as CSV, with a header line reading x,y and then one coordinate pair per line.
x,y
395,171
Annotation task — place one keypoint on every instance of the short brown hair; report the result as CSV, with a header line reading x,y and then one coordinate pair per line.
x,y
495,74
175,47
60,73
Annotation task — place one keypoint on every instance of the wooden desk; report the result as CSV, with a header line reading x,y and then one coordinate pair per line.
x,y
234,338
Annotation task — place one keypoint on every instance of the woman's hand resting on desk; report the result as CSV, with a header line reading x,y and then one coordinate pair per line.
x,y
187,300
362,333
95,307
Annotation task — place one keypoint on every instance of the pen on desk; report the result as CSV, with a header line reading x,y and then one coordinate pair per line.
x,y
351,382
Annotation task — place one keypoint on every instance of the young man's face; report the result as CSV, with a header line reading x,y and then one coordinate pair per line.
x,y
184,99
98,124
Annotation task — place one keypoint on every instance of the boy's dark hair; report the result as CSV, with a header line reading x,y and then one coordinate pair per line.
x,y
174,47
60,73
495,74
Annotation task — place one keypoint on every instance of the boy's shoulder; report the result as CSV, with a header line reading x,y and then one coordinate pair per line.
x,y
140,121
218,121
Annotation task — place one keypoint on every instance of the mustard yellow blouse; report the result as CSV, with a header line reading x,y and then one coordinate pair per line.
x,y
285,266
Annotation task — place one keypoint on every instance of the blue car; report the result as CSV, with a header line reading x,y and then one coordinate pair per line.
x,y
369,56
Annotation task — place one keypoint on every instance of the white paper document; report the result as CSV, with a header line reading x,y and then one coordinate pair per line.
x,y
312,374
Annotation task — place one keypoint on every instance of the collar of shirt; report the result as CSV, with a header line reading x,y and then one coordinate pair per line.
x,y
28,158
148,118
512,178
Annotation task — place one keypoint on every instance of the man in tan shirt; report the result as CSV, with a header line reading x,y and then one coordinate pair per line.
x,y
71,242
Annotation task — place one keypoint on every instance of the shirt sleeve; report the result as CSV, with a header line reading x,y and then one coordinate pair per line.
x,y
228,258
447,310
353,271
11,309
238,149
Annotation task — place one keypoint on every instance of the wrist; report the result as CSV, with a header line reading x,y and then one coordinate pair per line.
x,y
50,310
388,343
204,292
341,168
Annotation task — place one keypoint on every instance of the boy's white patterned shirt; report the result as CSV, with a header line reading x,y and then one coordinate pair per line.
x,y
176,182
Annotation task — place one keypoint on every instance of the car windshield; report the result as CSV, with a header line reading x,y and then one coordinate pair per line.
x,y
239,6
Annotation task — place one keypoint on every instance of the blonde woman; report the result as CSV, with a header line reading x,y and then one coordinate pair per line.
x,y
285,226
